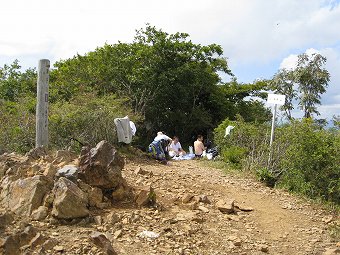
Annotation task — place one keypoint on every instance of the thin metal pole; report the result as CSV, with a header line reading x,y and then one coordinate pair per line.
x,y
272,136
273,126
41,136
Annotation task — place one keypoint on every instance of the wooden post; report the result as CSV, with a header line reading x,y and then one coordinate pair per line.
x,y
41,136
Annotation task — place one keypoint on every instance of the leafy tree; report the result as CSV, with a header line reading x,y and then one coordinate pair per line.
x,y
168,79
239,99
336,121
312,81
305,83
283,83
9,81
14,83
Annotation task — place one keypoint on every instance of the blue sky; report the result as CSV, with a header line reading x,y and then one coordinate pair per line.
x,y
258,36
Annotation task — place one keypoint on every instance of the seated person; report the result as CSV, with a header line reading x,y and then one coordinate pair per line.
x,y
199,146
158,148
175,148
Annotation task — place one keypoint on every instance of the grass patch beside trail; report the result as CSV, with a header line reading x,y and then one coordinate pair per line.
x,y
225,167
334,230
131,153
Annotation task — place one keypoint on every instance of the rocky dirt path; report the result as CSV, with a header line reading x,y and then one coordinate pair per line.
x,y
187,220
279,223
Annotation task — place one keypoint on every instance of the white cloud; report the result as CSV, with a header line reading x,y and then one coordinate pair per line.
x,y
253,33
328,111
249,30
289,62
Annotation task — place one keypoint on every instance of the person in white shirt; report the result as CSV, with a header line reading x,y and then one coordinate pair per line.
x,y
158,148
175,148
161,136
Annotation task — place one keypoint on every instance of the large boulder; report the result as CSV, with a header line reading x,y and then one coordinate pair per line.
x,y
70,201
23,196
101,166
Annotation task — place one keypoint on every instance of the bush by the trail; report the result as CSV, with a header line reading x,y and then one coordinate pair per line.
x,y
246,145
17,127
305,157
87,118
311,164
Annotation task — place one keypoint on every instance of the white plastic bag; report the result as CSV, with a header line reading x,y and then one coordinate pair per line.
x,y
148,234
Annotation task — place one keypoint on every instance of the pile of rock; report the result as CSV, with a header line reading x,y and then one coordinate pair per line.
x,y
59,188
34,186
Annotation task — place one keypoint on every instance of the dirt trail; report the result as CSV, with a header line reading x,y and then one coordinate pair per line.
x,y
278,224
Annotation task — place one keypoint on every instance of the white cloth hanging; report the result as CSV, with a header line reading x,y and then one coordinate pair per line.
x,y
228,130
124,132
133,128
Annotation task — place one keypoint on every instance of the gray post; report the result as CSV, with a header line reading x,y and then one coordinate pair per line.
x,y
272,137
273,126
41,136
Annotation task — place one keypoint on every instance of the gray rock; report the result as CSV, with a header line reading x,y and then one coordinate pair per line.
x,y
37,240
264,248
98,220
70,172
70,201
48,245
204,199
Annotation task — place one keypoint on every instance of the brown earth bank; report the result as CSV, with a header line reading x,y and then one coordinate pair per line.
x,y
143,207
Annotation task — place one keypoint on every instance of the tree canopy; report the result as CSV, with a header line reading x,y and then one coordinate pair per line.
x,y
170,81
305,84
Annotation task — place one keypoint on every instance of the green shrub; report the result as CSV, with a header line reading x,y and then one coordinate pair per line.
x,y
247,140
234,155
88,119
305,157
17,127
266,176
311,161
